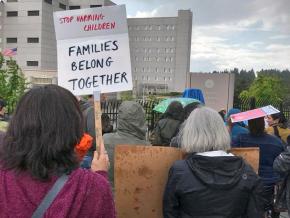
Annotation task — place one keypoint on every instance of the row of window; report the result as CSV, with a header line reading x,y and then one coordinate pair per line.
x,y
152,27
153,70
156,78
72,7
36,12
28,63
15,13
154,50
152,38
156,59
29,40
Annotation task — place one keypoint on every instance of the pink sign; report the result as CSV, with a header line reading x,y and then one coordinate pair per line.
x,y
253,114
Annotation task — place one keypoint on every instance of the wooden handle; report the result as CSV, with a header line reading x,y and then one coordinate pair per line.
x,y
98,122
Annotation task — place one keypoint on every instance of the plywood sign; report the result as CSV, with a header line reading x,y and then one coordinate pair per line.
x,y
140,177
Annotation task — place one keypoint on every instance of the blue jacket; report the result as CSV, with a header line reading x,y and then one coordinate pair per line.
x,y
270,148
237,129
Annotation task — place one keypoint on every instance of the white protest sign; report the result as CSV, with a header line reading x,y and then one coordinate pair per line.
x,y
93,50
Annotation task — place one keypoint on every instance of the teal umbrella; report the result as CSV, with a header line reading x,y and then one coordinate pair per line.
x,y
162,106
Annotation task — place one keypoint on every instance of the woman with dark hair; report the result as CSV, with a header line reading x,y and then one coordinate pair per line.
x,y
270,147
278,126
39,150
176,140
168,125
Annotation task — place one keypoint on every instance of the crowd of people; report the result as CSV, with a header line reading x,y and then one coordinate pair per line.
x,y
50,140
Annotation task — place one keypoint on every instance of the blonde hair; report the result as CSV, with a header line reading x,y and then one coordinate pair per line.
x,y
204,130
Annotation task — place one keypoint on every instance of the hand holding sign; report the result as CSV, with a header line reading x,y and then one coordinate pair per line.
x,y
101,160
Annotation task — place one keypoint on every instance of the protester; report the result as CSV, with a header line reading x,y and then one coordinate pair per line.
x,y
282,165
176,140
278,126
211,182
3,117
131,130
39,148
270,147
168,125
2,134
235,128
223,113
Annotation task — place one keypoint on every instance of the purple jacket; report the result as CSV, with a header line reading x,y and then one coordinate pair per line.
x,y
85,194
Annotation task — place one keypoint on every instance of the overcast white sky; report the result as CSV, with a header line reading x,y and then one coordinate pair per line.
x,y
229,33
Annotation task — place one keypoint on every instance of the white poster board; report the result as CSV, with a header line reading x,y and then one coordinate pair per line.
x,y
93,50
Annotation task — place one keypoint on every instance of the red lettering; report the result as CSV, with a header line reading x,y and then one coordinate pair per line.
x,y
66,19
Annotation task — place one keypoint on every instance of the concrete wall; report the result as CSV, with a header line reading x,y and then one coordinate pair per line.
x,y
160,50
218,89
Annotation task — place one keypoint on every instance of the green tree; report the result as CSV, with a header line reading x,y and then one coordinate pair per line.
x,y
264,87
12,82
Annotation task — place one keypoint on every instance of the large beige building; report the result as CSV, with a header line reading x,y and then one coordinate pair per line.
x,y
160,47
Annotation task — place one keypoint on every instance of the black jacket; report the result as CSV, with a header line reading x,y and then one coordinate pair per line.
x,y
213,187
282,165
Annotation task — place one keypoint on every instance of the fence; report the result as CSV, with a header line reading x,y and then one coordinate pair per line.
x,y
111,108
251,103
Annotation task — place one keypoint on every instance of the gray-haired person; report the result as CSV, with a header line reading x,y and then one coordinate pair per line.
x,y
211,182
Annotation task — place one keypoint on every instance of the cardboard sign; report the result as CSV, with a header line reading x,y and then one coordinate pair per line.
x,y
93,50
250,154
253,114
141,174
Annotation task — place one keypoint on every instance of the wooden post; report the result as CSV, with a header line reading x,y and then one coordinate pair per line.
x,y
98,121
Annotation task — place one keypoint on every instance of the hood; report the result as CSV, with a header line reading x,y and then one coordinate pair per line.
x,y
221,172
131,119
232,112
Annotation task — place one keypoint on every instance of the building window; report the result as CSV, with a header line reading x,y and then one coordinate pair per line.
x,y
11,40
95,6
62,6
158,38
74,7
12,0
156,78
32,13
33,40
32,63
12,13
48,1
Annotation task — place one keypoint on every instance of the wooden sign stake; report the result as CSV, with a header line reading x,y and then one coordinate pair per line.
x,y
98,121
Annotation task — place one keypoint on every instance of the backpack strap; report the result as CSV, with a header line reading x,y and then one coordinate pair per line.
x,y
50,196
